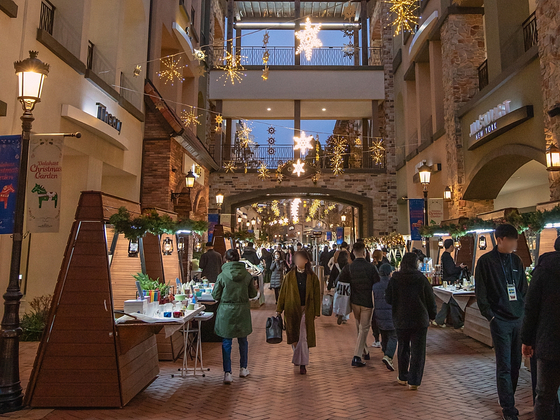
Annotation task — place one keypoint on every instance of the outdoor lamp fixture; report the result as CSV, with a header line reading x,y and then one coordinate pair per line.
x,y
239,219
133,248
248,224
181,244
189,181
553,158
482,242
253,221
31,74
447,194
343,218
440,242
425,174
167,247
457,243
219,200
423,241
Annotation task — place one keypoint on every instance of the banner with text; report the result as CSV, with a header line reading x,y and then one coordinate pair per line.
x,y
44,183
435,210
10,149
339,235
416,215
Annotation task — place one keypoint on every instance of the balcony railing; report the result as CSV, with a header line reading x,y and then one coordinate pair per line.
x,y
286,56
129,92
427,131
100,65
54,23
483,75
530,34
46,21
274,156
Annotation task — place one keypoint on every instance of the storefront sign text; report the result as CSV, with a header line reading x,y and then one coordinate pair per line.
x,y
485,122
107,117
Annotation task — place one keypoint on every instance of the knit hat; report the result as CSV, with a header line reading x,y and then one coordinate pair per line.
x,y
385,270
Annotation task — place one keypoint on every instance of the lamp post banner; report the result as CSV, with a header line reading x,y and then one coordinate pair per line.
x,y
44,183
10,151
435,210
416,214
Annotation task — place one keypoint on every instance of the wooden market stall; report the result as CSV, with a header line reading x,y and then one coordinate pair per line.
x,y
85,359
545,239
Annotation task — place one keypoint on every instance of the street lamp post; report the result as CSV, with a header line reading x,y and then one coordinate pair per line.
x,y
425,173
31,74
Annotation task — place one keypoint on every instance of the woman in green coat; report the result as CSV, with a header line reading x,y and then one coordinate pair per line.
x,y
300,300
233,289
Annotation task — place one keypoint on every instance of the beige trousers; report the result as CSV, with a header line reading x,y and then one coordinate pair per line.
x,y
363,322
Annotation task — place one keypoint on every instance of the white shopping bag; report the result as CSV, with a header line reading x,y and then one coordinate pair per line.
x,y
342,304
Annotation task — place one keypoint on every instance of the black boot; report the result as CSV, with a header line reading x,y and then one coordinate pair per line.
x,y
357,362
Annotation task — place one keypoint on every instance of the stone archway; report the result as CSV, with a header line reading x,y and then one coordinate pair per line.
x,y
364,204
487,179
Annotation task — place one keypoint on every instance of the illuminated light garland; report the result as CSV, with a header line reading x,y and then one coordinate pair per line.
x,y
199,55
244,135
308,39
171,71
377,150
137,70
274,208
298,167
189,118
233,68
263,172
337,160
279,174
315,204
349,12
265,72
219,119
303,143
405,16
230,166
294,209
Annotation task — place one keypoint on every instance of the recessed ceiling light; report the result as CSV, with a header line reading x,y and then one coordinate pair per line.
x,y
269,109
324,109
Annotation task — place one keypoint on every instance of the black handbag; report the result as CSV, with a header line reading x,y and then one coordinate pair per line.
x,y
274,326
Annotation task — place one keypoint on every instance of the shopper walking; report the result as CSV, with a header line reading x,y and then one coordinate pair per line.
x,y
339,260
211,263
377,261
451,274
353,256
233,289
266,258
413,306
362,276
300,300
540,333
324,260
383,315
500,291
250,254
277,268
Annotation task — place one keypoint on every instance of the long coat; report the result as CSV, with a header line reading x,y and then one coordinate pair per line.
x,y
289,302
233,289
277,267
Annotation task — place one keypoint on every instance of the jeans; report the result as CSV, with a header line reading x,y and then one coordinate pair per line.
x,y
412,354
243,352
548,382
506,335
455,314
277,293
388,342
363,322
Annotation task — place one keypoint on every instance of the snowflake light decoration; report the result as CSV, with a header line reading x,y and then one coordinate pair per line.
x,y
308,39
266,38
299,167
232,67
303,143
405,16
230,166
349,12
263,172
172,70
199,55
294,209
190,118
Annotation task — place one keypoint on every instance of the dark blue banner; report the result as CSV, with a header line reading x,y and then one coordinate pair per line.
x,y
213,220
10,149
416,214
339,235
329,236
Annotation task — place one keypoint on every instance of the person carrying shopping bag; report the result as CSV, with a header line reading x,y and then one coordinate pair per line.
x,y
233,289
300,300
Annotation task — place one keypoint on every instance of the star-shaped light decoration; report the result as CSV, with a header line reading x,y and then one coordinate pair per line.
x,y
377,150
172,70
232,67
298,167
265,72
219,119
348,50
308,39
199,55
189,118
405,15
263,172
230,166
199,70
349,12
137,70
244,135
303,143
266,57
266,38
274,208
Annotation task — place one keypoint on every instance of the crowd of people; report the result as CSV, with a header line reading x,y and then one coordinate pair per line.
x,y
399,305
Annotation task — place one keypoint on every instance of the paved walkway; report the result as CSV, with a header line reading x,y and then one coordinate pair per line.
x,y
458,384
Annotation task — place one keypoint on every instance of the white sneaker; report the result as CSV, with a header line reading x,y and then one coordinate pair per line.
x,y
244,372
228,378
376,344
389,363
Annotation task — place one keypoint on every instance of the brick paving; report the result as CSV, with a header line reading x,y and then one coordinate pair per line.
x,y
458,384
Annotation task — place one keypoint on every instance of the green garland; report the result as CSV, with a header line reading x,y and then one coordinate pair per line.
x,y
153,223
241,235
532,221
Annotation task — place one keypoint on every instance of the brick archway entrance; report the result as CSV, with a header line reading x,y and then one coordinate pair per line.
x,y
362,203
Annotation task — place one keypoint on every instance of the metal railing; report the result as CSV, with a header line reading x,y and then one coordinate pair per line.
x,y
530,34
100,65
46,21
427,131
286,56
274,156
483,75
59,28
129,92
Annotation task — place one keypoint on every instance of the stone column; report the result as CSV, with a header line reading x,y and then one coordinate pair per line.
x,y
462,51
548,22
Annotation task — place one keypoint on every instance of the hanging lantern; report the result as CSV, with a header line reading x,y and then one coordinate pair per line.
x,y
181,245
424,241
457,243
447,194
239,219
553,158
219,199
133,248
189,179
440,242
253,221
167,246
482,242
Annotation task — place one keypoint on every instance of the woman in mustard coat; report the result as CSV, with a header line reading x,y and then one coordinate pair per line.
x,y
300,300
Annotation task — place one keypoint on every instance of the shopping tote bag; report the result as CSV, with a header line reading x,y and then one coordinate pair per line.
x,y
342,304
327,305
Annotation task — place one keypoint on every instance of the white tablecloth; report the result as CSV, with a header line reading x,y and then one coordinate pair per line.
x,y
462,297
171,324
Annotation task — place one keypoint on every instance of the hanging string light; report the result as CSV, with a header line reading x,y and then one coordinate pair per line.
x,y
308,39
263,172
232,67
230,166
172,70
199,55
274,208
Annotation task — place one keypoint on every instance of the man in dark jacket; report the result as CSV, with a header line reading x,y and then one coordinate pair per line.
x,y
353,256
540,333
451,274
383,314
324,260
211,263
361,275
250,254
500,291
